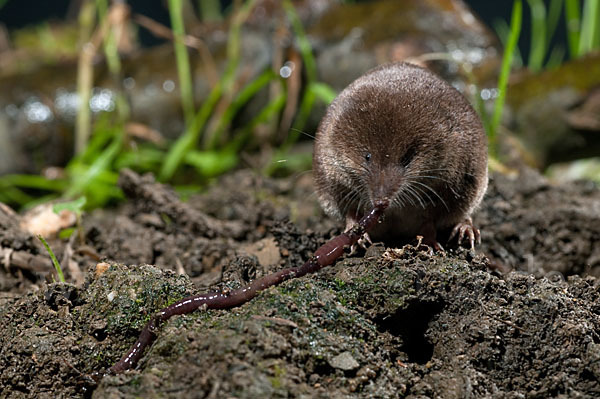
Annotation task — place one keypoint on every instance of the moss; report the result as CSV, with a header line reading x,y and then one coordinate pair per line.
x,y
379,21
278,374
581,74
126,297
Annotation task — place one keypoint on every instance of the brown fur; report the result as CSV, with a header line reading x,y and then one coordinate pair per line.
x,y
428,152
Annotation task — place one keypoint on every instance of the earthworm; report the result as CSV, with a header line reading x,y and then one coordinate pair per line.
x,y
327,254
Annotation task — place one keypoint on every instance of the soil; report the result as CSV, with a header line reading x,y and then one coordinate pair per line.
x,y
517,318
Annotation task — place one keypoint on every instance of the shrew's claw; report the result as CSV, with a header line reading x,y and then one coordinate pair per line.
x,y
465,229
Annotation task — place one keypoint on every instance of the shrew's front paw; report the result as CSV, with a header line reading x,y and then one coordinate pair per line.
x,y
464,230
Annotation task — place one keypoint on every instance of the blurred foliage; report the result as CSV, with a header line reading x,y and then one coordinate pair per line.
x,y
583,36
207,147
51,41
582,21
492,123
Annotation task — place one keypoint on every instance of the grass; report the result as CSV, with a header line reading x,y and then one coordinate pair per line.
x,y
590,27
85,75
110,39
210,10
314,90
208,145
509,51
182,59
582,33
539,35
211,143
191,136
57,267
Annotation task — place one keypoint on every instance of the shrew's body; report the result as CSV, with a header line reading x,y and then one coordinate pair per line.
x,y
401,134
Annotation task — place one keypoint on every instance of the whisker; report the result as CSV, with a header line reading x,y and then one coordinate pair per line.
x,y
449,184
416,192
399,200
303,132
434,192
444,170
349,200
429,177
409,198
404,194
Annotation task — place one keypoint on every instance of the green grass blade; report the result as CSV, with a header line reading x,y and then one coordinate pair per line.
x,y
81,181
303,43
313,91
189,138
111,49
233,54
177,153
104,190
35,182
515,30
308,99
595,24
556,57
234,43
590,33
75,206
269,111
182,59
537,50
503,31
61,276
12,195
554,10
324,92
11,189
103,134
212,163
143,158
210,10
241,99
310,66
573,18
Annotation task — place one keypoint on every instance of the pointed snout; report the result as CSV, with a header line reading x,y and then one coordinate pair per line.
x,y
385,185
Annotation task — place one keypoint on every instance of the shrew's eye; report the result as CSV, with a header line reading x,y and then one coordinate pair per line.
x,y
368,156
408,156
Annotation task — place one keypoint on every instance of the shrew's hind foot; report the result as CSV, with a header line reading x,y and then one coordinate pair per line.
x,y
428,237
428,245
466,229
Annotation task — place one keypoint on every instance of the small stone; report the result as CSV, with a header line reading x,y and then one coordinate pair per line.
x,y
344,361
101,268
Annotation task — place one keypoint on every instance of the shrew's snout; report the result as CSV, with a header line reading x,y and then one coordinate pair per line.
x,y
385,184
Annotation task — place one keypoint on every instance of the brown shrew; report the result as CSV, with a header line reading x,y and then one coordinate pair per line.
x,y
401,134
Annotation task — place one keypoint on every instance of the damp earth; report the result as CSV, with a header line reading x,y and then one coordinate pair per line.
x,y
519,317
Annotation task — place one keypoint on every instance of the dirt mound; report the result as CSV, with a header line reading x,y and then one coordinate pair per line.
x,y
388,323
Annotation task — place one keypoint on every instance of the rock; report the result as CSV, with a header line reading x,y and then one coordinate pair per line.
x,y
344,361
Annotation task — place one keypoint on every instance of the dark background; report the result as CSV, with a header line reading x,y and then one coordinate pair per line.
x,y
19,13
